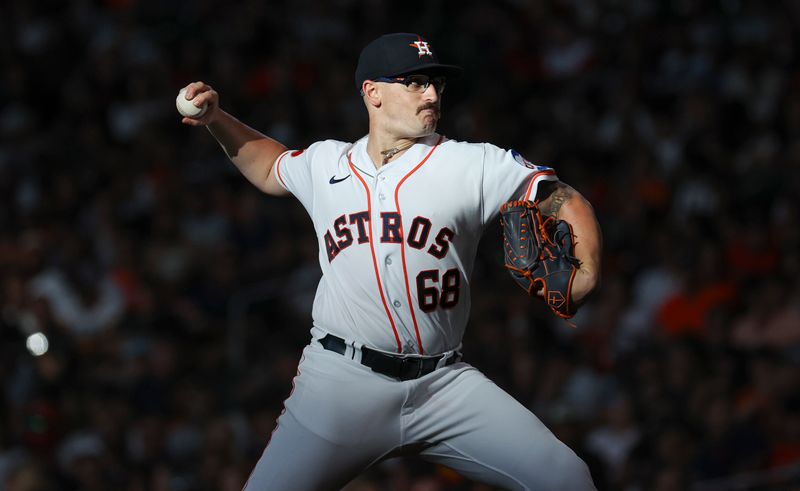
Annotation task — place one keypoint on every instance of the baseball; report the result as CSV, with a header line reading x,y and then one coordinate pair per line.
x,y
187,108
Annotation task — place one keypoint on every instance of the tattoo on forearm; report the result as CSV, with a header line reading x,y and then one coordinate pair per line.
x,y
558,194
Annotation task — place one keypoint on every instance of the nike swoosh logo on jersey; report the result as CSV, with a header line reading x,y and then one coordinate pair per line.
x,y
334,180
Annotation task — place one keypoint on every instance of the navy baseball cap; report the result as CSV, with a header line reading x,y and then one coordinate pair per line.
x,y
400,53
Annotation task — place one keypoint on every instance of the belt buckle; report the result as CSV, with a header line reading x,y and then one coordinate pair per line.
x,y
404,363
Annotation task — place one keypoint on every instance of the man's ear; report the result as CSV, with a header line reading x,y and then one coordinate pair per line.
x,y
371,93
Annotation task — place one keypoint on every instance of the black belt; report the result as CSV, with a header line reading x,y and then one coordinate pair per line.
x,y
401,368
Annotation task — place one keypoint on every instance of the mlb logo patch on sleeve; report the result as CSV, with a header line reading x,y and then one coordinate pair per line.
x,y
527,163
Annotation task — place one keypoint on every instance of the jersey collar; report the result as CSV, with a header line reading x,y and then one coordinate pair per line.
x,y
397,167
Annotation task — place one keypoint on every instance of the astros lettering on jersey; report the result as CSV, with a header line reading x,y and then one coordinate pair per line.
x,y
397,244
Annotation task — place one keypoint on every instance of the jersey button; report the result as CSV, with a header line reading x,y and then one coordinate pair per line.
x,y
396,303
382,196
388,261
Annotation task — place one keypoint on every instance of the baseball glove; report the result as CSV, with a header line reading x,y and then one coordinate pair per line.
x,y
539,254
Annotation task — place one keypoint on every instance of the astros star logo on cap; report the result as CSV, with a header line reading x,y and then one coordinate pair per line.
x,y
423,47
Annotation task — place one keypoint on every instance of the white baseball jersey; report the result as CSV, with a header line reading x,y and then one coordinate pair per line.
x,y
397,244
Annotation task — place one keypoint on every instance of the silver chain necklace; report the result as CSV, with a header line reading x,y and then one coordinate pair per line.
x,y
388,154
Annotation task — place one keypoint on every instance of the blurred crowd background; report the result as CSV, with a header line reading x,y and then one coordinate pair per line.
x,y
153,305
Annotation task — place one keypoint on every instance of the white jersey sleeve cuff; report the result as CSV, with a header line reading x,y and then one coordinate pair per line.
x,y
278,170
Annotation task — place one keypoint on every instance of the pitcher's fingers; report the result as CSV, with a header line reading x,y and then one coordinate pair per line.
x,y
195,88
193,122
209,97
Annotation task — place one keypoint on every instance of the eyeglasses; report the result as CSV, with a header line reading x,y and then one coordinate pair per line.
x,y
417,83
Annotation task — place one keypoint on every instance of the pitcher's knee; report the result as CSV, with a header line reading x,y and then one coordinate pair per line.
x,y
571,472
561,469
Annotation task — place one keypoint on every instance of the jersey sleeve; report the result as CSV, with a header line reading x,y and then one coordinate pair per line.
x,y
508,175
293,170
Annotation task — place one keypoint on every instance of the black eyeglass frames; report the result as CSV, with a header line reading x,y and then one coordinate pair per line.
x,y
417,83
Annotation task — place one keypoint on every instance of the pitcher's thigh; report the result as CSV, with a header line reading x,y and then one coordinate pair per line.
x,y
496,440
337,421
300,460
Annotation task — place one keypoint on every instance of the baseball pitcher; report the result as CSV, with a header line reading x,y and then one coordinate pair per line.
x,y
398,215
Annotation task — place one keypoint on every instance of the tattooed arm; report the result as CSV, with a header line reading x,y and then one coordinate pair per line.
x,y
561,201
